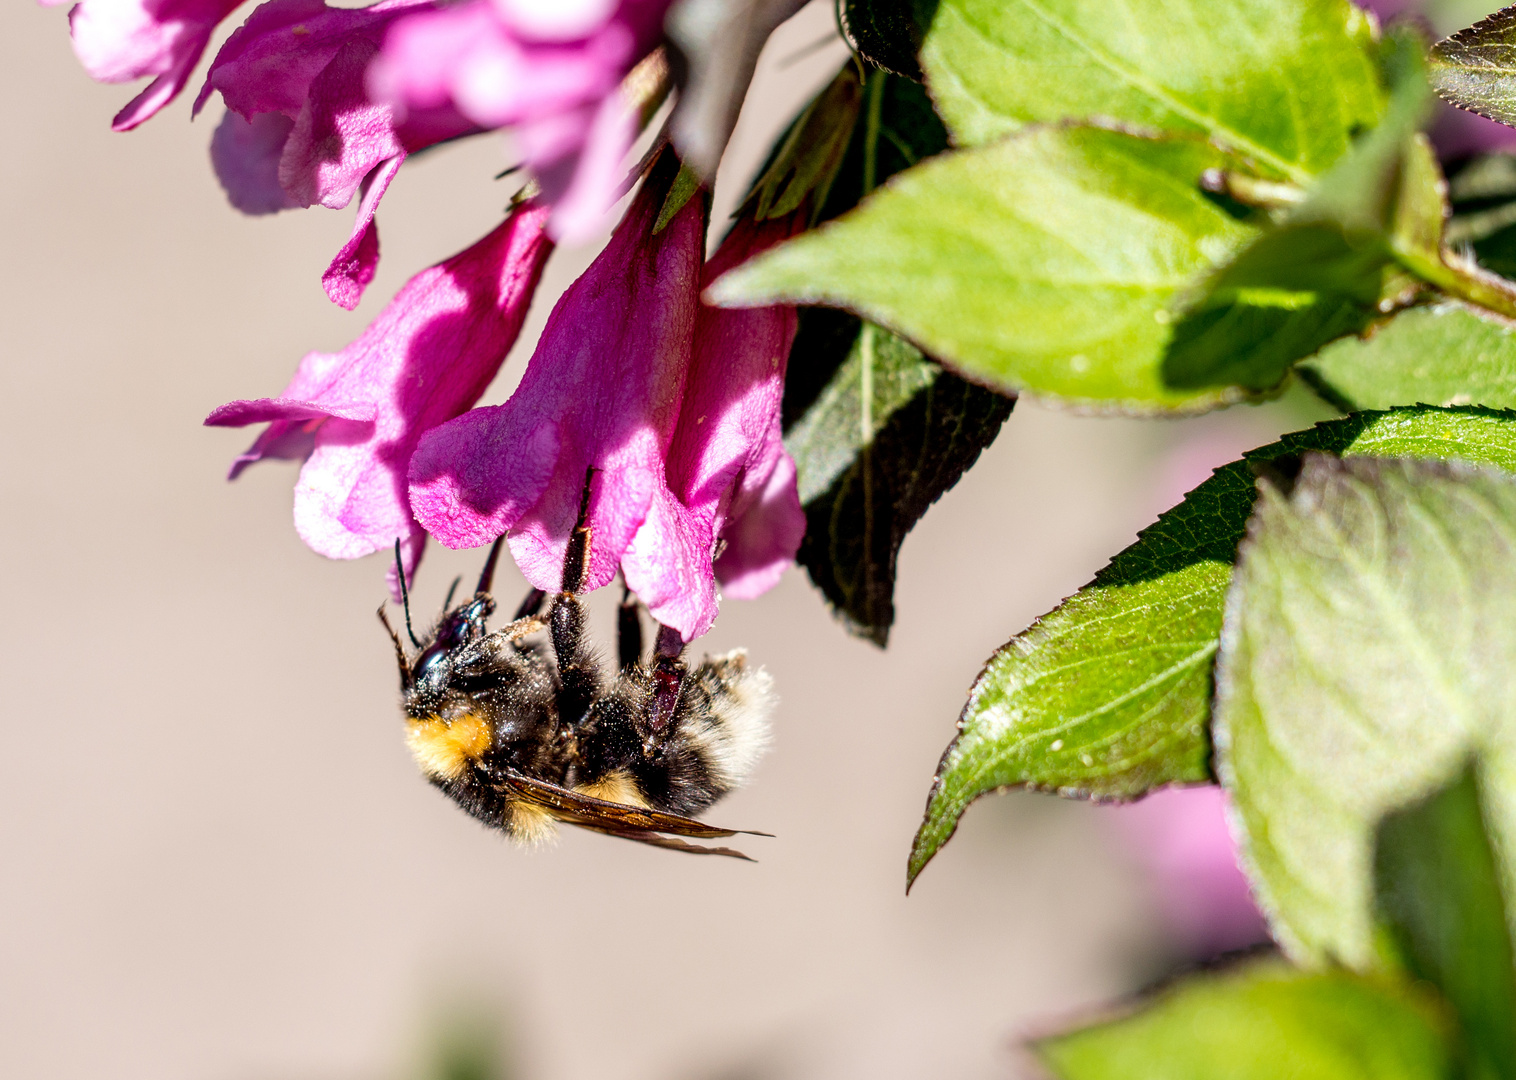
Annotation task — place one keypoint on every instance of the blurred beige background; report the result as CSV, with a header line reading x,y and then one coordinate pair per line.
x,y
218,861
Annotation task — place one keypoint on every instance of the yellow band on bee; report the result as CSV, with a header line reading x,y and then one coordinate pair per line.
x,y
444,748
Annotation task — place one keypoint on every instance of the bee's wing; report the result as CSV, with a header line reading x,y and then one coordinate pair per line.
x,y
673,843
619,819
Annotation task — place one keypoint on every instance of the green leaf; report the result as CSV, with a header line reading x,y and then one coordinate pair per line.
x,y
876,445
1473,69
1049,262
1264,1023
1444,355
686,183
1108,696
1283,84
898,127
1369,645
1325,264
1438,888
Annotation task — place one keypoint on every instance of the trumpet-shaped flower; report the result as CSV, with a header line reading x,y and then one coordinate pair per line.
x,y
357,415
729,507
550,71
123,40
670,409
300,129
602,392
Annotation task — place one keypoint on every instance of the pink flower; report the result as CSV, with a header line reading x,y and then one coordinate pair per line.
x,y
602,391
674,406
300,129
727,476
1181,836
356,416
122,40
549,70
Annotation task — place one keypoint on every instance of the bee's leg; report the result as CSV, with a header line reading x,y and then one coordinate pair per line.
x,y
528,618
628,631
517,629
578,678
655,723
714,737
487,575
532,605
576,556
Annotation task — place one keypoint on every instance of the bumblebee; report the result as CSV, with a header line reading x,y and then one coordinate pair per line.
x,y
522,728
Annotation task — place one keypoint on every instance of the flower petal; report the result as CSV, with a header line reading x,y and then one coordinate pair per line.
x,y
602,392
307,64
245,155
267,410
552,74
357,261
425,359
122,40
726,470
764,527
339,137
584,181
270,61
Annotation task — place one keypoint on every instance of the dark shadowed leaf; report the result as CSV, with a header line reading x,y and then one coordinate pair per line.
x,y
1483,197
888,33
1369,647
1284,84
1438,889
1473,68
1265,1022
884,437
1108,696
1448,354
878,431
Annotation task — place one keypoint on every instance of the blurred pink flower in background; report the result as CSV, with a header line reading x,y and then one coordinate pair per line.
x,y
550,71
1181,838
329,100
356,416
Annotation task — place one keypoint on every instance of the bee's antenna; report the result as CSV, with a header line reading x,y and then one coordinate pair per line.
x,y
405,667
405,595
487,575
448,601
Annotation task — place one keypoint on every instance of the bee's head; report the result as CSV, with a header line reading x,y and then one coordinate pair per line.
x,y
459,627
